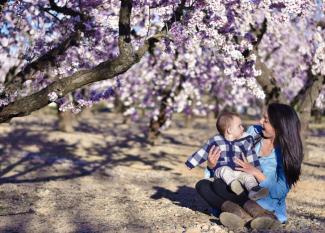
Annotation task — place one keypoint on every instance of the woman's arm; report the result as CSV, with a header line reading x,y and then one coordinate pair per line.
x,y
276,185
250,169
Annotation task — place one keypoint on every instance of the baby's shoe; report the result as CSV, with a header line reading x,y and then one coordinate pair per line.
x,y
258,192
236,187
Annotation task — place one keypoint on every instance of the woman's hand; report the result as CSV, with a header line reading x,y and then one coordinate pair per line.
x,y
249,168
214,155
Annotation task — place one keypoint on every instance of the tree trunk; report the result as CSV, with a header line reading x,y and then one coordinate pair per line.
x,y
317,114
209,117
305,117
86,113
188,120
108,69
66,121
118,105
268,83
305,99
155,125
216,109
305,103
154,129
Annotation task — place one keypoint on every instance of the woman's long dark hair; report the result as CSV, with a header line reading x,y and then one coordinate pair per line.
x,y
286,123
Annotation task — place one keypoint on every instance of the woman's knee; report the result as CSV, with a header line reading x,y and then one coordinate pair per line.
x,y
219,182
202,185
219,186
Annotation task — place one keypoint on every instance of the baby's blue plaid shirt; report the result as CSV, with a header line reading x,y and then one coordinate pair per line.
x,y
229,150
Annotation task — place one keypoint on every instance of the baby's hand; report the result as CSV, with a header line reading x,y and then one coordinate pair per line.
x,y
214,155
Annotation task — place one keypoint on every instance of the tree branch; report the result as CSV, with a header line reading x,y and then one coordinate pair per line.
x,y
124,40
48,10
268,83
266,79
64,10
105,70
268,56
308,94
259,32
45,61
177,16
2,4
14,83
310,91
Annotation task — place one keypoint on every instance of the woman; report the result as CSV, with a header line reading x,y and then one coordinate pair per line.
x,y
280,154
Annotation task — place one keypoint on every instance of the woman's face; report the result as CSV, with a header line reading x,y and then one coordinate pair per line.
x,y
268,130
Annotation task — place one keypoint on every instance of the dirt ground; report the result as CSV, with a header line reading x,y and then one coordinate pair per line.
x,y
104,178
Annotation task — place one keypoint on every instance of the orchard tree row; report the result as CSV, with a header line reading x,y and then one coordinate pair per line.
x,y
161,56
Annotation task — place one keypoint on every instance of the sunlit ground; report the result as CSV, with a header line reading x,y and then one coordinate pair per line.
x,y
105,178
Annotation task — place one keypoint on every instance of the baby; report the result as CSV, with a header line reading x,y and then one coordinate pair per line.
x,y
233,143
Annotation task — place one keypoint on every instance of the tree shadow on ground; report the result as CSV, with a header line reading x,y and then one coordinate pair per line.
x,y
18,166
309,204
184,196
317,132
14,168
112,154
318,165
35,122
174,141
87,127
316,177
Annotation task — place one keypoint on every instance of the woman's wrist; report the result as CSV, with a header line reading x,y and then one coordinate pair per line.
x,y
259,176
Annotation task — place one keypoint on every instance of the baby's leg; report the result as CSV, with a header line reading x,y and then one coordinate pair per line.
x,y
229,176
226,174
246,179
255,192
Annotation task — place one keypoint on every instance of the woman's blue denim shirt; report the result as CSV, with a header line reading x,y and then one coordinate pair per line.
x,y
272,167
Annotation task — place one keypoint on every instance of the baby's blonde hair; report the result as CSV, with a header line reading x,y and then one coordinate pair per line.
x,y
224,121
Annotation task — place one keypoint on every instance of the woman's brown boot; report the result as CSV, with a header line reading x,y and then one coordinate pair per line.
x,y
263,219
265,223
232,221
233,216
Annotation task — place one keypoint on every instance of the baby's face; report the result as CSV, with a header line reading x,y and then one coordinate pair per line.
x,y
236,128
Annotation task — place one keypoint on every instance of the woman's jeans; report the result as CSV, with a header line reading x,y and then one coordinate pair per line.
x,y
216,192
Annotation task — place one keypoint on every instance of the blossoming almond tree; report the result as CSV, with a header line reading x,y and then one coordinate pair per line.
x,y
59,46
271,45
164,56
